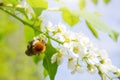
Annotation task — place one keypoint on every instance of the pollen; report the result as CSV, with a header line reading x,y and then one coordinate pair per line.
x,y
76,49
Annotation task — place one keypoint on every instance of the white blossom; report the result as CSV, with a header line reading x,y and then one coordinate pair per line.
x,y
77,47
77,68
71,63
76,50
91,68
57,57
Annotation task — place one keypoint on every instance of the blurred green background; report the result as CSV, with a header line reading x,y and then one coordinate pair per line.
x,y
14,64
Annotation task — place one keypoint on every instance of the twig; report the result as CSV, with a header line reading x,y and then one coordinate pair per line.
x,y
30,25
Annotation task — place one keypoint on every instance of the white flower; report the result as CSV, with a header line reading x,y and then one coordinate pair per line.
x,y
77,68
59,37
107,67
91,58
104,68
40,38
117,72
84,41
75,50
57,57
67,45
56,29
71,63
78,46
70,36
49,27
61,28
91,68
103,54
113,69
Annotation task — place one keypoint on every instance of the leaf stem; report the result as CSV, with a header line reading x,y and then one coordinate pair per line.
x,y
30,25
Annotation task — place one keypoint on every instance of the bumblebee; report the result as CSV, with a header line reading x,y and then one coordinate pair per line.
x,y
35,47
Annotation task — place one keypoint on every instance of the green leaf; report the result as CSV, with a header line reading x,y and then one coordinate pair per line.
x,y
82,4
22,10
106,1
57,0
95,2
69,17
97,23
37,58
45,73
51,68
38,6
14,2
114,35
28,33
93,30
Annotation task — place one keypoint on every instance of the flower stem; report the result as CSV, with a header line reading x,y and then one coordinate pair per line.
x,y
108,76
30,25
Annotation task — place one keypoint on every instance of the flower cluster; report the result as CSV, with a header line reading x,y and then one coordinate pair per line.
x,y
80,52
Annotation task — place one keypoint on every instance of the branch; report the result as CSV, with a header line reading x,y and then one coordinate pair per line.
x,y
26,23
